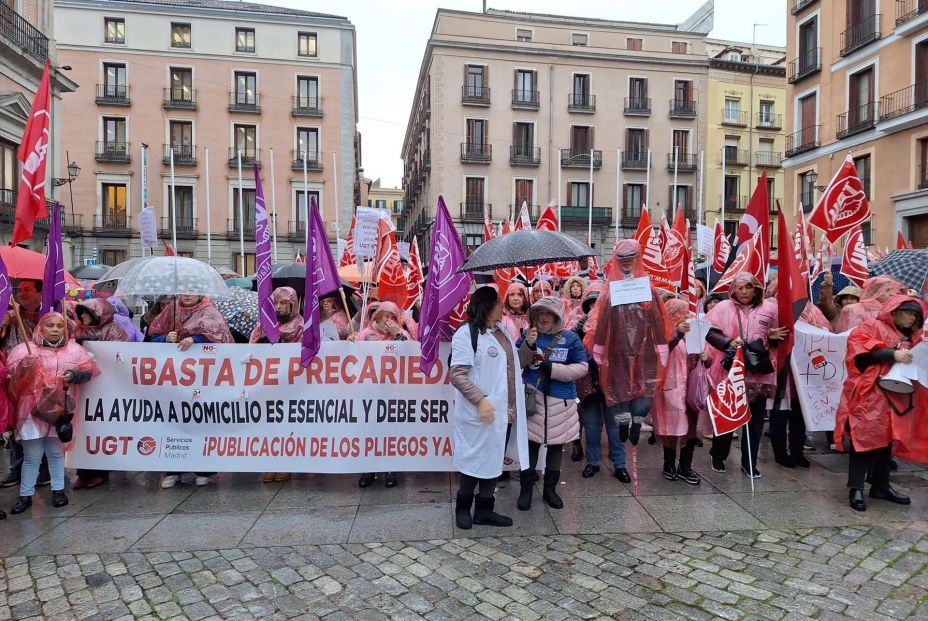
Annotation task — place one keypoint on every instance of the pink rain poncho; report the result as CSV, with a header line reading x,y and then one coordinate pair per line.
x,y
201,319
541,289
105,329
515,321
876,291
669,410
5,418
813,316
331,310
291,331
567,299
628,341
36,384
385,325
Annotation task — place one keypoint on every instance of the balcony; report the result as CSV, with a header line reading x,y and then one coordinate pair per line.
x,y
733,156
735,118
799,5
296,230
769,121
907,10
580,158
24,35
855,121
112,95
473,212
581,102
904,101
116,224
638,106
306,106
313,160
475,95
179,98
805,65
804,140
534,211
682,108
7,205
581,213
244,102
525,100
186,227
249,156
184,154
635,161
234,231
862,33
112,152
768,159
520,155
733,204
476,153
686,162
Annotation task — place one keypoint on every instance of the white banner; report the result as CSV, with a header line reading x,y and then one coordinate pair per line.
x,y
819,374
148,229
366,231
359,407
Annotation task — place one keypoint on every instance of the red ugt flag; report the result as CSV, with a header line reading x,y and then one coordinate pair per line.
x,y
721,248
388,270
843,204
854,263
33,153
793,290
728,403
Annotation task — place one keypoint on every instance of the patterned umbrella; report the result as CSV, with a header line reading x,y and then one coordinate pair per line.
x,y
240,310
173,275
907,266
525,248
108,282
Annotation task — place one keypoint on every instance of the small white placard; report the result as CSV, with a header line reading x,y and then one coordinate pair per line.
x,y
147,229
630,291
704,240
365,232
339,249
696,337
403,248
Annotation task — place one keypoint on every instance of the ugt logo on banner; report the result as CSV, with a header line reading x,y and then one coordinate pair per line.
x,y
728,403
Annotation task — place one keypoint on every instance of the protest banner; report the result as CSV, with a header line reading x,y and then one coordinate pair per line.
x,y
358,407
819,373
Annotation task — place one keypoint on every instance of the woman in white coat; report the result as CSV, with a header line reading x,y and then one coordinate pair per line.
x,y
486,372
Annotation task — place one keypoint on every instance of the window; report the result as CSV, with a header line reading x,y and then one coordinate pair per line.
x,y
731,151
306,44
734,56
732,111
581,138
182,138
525,193
682,90
379,203
806,191
112,256
114,29
922,163
525,86
246,89
471,243
579,38
638,94
473,193
245,40
246,140
248,211
921,72
524,35
634,199
808,45
633,44
807,118
113,206
114,80
771,195
307,141
861,107
114,134
682,199
474,80
181,84
398,206
678,47
766,114
183,205
578,194
581,84
476,133
307,92
862,164
681,143
180,35
636,144
300,203
9,172
249,266
523,139
732,197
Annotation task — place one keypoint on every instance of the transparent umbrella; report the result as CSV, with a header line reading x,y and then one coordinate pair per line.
x,y
173,276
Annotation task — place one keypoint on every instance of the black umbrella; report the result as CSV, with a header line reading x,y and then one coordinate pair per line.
x,y
90,272
907,266
526,248
294,275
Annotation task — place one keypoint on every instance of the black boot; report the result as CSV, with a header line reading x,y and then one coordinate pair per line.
x,y
462,510
22,504
856,499
888,493
576,453
549,492
484,514
59,499
527,481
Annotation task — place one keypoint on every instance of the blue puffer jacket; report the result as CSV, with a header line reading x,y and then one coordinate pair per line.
x,y
568,357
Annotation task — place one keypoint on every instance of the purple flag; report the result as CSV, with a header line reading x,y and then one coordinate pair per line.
x,y
321,280
444,286
267,314
6,289
53,293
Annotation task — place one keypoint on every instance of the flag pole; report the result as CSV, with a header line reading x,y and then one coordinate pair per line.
x,y
747,435
209,224
699,192
723,190
589,222
303,155
274,205
338,229
647,182
676,159
241,213
558,199
173,205
618,189
22,328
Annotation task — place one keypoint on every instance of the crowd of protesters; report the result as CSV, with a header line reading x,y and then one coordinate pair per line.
x,y
558,361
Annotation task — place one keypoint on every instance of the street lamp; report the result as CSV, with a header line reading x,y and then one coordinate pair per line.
x,y
73,172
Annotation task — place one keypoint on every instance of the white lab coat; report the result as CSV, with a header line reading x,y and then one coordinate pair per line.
x,y
479,448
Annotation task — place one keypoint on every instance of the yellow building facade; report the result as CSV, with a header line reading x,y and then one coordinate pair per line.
x,y
745,116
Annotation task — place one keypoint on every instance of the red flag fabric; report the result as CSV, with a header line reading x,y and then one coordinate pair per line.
x,y
645,229
503,276
721,249
756,218
33,153
854,263
348,257
792,290
802,250
524,221
652,259
414,277
549,222
728,403
592,269
675,250
843,204
748,260
168,250
487,226
388,270
900,241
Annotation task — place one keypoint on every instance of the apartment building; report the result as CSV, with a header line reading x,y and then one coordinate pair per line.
x,y
519,107
390,199
25,43
747,101
189,80
858,84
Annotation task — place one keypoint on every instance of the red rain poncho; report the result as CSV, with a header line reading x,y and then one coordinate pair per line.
x,y
515,322
628,341
877,290
36,386
5,418
291,331
201,319
865,410
669,411
377,329
106,329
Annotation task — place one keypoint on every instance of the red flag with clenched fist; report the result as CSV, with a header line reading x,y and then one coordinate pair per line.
x,y
728,403
843,204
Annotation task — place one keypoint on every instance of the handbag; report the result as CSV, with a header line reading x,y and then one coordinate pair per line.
x,y
531,407
756,356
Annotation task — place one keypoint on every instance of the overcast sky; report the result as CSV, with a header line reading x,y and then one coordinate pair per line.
x,y
392,35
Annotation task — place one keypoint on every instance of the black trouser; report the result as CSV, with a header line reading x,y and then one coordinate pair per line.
x,y
467,484
875,463
794,438
552,460
686,454
721,445
16,461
